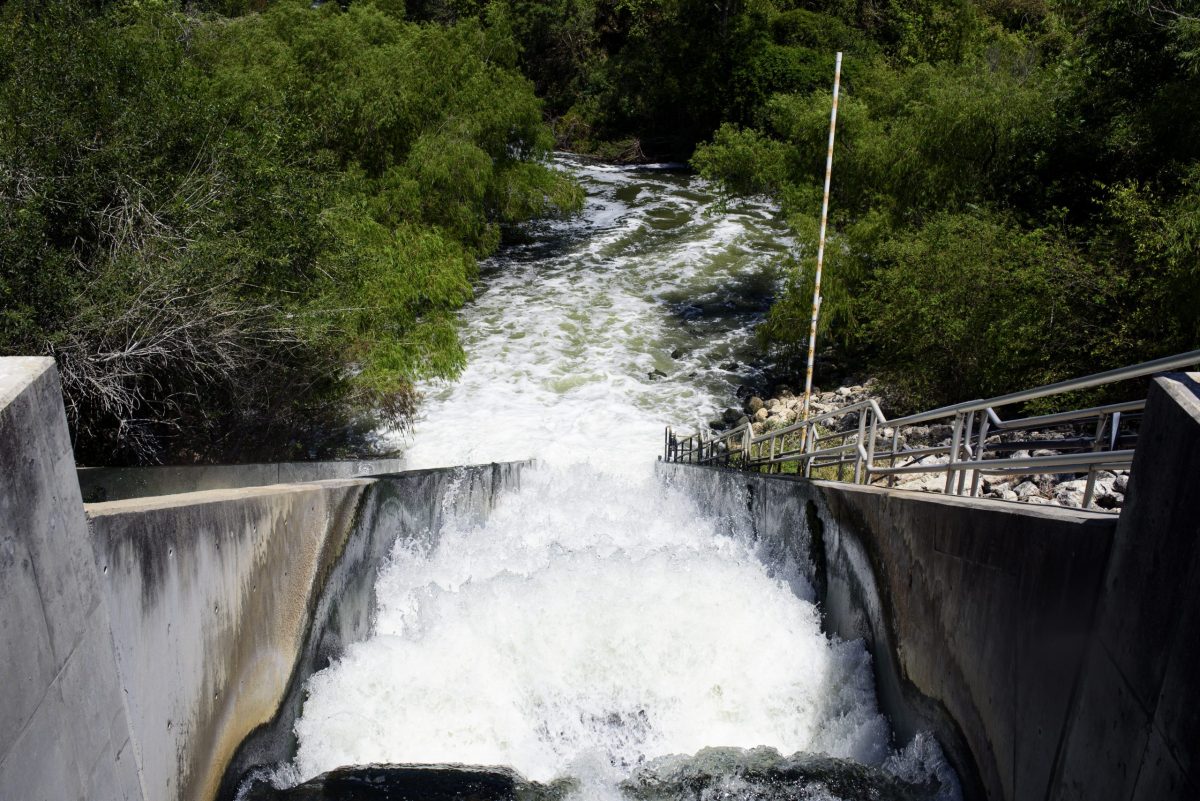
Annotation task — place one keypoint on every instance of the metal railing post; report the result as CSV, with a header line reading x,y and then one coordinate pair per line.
x,y
871,445
954,440
862,432
966,446
980,447
1090,488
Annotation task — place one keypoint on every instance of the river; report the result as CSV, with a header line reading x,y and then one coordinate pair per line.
x,y
598,621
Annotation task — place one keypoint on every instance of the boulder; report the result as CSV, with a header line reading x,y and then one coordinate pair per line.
x,y
1027,489
761,414
754,404
1121,483
656,374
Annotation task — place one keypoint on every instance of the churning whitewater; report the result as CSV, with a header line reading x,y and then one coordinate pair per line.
x,y
598,620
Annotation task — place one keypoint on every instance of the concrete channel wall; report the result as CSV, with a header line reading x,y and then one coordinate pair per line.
x,y
100,484
147,645
1055,653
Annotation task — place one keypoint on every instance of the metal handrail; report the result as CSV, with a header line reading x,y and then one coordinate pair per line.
x,y
973,422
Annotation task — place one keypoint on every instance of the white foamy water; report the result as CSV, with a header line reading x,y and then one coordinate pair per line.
x,y
564,333
598,619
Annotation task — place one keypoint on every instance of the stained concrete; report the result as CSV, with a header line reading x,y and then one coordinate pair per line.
x,y
1135,724
101,484
64,725
143,640
976,612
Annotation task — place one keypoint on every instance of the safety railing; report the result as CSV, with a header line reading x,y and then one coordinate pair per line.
x,y
859,443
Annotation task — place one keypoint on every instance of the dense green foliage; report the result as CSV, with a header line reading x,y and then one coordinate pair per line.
x,y
245,236
1016,196
1015,189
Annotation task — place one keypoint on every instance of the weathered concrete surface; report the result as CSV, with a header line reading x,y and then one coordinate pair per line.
x,y
976,612
1135,722
101,484
143,640
211,594
64,729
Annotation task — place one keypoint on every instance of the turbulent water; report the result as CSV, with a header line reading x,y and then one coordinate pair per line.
x,y
598,620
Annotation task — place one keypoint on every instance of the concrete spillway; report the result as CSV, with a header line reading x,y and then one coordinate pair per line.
x,y
153,646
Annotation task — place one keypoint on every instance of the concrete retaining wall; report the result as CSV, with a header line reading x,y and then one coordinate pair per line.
x,y
976,612
143,641
1055,653
100,484
64,727
1135,723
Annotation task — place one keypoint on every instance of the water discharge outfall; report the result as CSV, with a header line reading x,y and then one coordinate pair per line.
x,y
598,621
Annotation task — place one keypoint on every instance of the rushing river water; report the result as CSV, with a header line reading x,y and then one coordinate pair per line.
x,y
598,621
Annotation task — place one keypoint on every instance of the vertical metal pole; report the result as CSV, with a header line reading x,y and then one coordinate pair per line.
x,y
980,447
871,444
816,305
966,445
892,461
858,459
955,440
1090,488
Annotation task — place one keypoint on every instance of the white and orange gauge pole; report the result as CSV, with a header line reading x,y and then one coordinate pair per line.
x,y
816,304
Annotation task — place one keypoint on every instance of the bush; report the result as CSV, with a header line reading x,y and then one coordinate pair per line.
x,y
245,238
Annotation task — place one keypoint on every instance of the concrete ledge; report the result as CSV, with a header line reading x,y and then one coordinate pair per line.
x,y
101,484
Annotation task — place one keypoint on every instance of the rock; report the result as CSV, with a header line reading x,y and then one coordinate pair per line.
x,y
1020,455
1036,500
1109,501
743,420
843,392
730,366
427,782
784,394
998,487
656,374
1068,497
678,353
1026,489
731,415
1007,495
761,414
758,427
1121,483
1045,452
924,482
772,403
763,774
754,404
781,389
718,424
940,432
